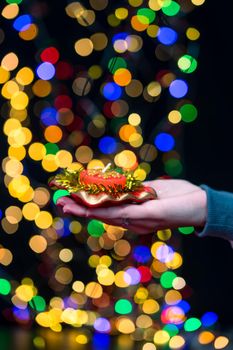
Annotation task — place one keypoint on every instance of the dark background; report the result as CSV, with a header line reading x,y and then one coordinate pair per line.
x,y
208,156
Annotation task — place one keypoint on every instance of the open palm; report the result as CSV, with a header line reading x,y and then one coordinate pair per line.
x,y
179,203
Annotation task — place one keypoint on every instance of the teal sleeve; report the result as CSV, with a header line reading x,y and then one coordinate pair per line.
x,y
219,214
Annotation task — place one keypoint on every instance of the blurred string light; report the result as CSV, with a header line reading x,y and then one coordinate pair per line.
x,y
137,288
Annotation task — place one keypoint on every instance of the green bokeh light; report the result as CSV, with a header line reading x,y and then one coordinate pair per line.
x,y
123,307
186,230
58,194
192,324
167,279
171,329
51,148
172,9
188,113
116,63
38,303
14,1
5,286
146,16
173,167
95,228
187,64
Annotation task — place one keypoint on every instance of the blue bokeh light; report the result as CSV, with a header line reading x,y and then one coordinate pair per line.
x,y
141,254
164,142
102,325
45,71
101,341
48,116
22,23
167,36
107,145
209,319
184,305
178,88
119,36
112,91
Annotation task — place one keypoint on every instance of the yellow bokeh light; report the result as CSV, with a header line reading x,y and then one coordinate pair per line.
x,y
198,2
95,164
177,342
122,279
161,337
121,13
78,286
37,151
106,277
20,137
9,89
135,140
6,256
10,11
154,89
66,255
82,339
63,158
38,244
144,321
75,227
11,124
140,174
19,100
192,33
49,163
172,297
13,167
93,290
18,186
134,119
10,61
174,117
126,159
24,292
21,115
164,235
149,346
221,342
25,76
4,75
84,47
150,306
125,325
43,219
175,262
30,211
153,30
13,214
18,153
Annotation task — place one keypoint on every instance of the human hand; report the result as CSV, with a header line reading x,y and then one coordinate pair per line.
x,y
179,203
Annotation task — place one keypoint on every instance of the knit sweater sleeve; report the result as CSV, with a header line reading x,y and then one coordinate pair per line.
x,y
219,221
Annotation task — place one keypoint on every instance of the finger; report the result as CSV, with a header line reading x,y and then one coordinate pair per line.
x,y
65,200
75,209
